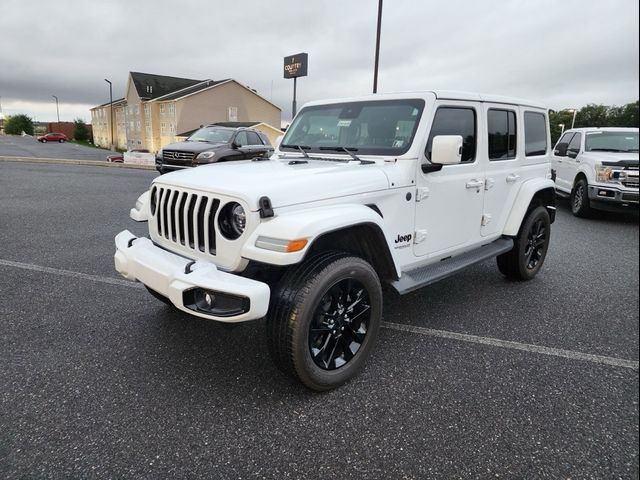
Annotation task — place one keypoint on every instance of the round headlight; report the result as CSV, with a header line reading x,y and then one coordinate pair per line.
x,y
232,220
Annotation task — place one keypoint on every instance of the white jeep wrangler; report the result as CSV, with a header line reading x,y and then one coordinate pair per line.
x,y
598,169
396,189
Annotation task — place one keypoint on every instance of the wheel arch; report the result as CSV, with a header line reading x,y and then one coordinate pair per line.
x,y
357,229
534,193
365,240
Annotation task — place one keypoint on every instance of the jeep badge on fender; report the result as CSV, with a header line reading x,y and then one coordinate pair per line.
x,y
348,175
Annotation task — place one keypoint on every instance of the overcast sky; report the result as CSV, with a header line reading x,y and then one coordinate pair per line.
x,y
566,53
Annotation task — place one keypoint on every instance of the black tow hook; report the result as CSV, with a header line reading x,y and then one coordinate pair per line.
x,y
187,267
130,242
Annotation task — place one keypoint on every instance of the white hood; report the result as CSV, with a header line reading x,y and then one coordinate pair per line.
x,y
599,157
283,183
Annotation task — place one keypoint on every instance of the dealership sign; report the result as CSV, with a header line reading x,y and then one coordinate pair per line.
x,y
296,65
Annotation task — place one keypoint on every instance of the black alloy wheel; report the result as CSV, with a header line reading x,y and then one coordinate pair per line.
x,y
340,324
536,246
324,318
530,247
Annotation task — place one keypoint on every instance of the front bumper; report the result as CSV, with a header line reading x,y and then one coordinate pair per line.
x,y
607,197
176,278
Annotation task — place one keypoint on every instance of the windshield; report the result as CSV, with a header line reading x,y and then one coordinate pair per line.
x,y
383,127
611,142
212,135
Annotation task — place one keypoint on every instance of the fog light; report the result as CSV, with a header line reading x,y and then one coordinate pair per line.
x,y
214,303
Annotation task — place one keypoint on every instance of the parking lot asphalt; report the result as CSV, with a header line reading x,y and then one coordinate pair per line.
x,y
99,379
17,146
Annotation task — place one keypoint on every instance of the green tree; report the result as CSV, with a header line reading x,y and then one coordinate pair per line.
x,y
593,116
16,124
627,116
80,130
556,121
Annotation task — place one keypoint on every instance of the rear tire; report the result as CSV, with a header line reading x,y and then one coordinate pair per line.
x,y
44,140
61,140
530,247
580,205
324,319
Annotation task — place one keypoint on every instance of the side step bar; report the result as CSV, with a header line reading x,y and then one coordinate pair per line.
x,y
422,276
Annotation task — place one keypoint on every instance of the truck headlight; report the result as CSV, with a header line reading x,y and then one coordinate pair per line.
x,y
232,220
205,155
604,174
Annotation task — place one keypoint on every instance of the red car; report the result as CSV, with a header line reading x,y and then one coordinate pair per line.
x,y
53,137
119,157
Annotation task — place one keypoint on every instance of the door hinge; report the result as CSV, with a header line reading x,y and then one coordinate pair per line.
x,y
486,219
422,193
489,183
420,236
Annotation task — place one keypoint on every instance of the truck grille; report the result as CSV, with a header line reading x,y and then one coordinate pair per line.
x,y
630,182
185,218
177,157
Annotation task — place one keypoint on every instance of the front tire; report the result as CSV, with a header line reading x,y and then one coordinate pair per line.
x,y
530,247
61,140
324,319
44,140
580,205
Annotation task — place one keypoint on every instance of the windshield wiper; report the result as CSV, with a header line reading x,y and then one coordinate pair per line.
x,y
348,151
604,150
301,148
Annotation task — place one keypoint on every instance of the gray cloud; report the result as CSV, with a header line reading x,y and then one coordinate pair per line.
x,y
564,53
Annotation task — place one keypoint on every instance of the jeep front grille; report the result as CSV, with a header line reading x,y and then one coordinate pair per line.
x,y
185,218
176,155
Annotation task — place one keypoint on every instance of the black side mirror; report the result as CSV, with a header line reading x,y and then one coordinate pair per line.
x,y
235,146
561,149
572,153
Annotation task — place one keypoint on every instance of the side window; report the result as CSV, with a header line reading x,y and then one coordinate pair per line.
x,y
254,139
455,121
574,144
563,144
501,127
535,134
241,139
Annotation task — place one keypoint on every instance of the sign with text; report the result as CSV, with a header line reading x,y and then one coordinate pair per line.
x,y
296,65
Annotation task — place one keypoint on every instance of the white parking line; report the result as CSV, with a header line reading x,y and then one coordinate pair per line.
x,y
463,337
70,273
525,347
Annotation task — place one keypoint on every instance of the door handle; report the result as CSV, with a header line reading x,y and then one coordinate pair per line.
x,y
513,178
475,183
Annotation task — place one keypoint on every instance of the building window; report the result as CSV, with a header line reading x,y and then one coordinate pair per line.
x,y
535,134
138,125
163,128
171,109
162,108
232,114
501,125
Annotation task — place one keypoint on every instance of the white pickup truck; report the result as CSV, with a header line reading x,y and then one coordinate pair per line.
x,y
397,189
598,169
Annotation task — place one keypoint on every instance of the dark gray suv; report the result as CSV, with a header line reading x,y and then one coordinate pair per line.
x,y
213,144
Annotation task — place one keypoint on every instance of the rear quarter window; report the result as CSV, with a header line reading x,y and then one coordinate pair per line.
x,y
535,134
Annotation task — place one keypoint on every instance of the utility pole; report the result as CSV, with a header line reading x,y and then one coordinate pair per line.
x,y
375,68
57,110
110,109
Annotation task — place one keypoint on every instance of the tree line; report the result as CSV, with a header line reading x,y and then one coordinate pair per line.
x,y
16,124
593,115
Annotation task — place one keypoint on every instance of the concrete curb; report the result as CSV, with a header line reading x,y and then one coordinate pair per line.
x,y
67,161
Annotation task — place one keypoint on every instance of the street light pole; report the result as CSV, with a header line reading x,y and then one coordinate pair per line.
x,y
57,110
375,68
575,112
110,109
